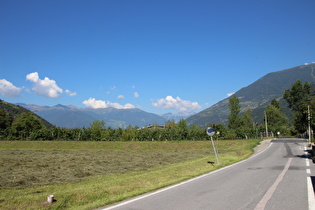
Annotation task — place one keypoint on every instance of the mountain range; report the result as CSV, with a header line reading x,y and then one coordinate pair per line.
x,y
257,96
74,117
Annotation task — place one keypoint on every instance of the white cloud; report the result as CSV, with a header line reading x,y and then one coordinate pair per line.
x,y
136,94
8,90
69,93
230,94
46,87
33,77
120,97
95,104
176,103
118,106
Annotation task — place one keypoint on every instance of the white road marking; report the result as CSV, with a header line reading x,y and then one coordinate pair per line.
x,y
310,188
310,194
182,183
262,203
307,162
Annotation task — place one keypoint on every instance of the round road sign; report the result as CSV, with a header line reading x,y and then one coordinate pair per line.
x,y
210,131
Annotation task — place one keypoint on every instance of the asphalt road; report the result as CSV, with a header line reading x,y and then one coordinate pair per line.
x,y
279,177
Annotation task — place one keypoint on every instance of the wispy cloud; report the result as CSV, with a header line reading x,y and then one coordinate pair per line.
x,y
176,103
46,87
120,97
136,94
7,89
230,94
95,104
69,93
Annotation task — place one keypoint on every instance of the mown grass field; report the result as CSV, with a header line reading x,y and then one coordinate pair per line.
x,y
87,175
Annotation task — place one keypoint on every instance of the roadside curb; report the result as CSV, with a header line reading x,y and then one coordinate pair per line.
x,y
262,146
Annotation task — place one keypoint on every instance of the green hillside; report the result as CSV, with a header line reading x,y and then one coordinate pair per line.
x,y
15,111
257,95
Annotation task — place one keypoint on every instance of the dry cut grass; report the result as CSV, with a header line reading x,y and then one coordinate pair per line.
x,y
25,168
86,175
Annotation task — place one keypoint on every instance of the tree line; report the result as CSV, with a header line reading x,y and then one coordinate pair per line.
x,y
300,99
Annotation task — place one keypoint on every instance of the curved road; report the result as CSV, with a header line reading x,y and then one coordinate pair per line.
x,y
280,177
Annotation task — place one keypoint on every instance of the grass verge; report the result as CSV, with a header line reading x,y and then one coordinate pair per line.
x,y
162,164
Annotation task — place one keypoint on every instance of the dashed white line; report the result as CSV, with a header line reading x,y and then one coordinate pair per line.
x,y
307,162
310,188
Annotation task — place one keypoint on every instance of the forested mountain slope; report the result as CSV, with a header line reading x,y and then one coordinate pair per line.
x,y
15,111
257,95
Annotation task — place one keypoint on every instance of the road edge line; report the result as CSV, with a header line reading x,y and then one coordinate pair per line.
x,y
310,194
122,203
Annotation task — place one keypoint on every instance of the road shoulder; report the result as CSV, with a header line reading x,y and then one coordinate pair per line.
x,y
262,146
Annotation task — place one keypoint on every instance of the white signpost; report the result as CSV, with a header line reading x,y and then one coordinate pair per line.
x,y
211,132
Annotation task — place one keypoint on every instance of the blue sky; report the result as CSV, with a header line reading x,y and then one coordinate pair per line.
x,y
160,56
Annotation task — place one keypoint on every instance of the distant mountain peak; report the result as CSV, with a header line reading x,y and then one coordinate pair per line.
x,y
74,117
61,106
177,117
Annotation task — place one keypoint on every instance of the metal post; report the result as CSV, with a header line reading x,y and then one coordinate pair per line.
x,y
215,151
309,124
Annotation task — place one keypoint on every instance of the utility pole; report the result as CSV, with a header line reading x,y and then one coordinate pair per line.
x,y
309,124
266,124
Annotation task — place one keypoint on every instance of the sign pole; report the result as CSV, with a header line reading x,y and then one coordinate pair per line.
x,y
215,151
211,132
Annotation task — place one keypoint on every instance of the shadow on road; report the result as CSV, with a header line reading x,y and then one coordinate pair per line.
x,y
307,155
313,182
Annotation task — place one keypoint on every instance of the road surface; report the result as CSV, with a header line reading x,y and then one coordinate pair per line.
x,y
280,177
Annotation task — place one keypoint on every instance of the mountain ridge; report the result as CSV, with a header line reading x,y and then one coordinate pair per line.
x,y
256,96
72,117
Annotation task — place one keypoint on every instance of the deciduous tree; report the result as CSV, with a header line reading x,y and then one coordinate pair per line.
x,y
234,118
26,123
297,98
277,119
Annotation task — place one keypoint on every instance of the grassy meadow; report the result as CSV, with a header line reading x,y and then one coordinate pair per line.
x,y
87,175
